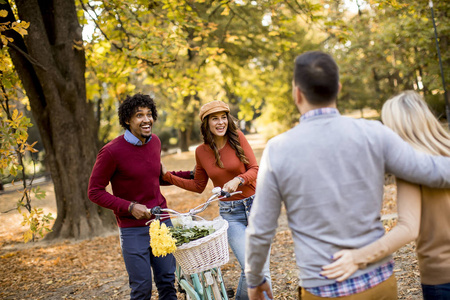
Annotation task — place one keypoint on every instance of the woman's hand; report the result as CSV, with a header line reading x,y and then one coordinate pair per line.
x,y
232,185
343,267
163,169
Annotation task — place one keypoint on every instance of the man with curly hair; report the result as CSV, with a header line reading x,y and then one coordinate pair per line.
x,y
132,164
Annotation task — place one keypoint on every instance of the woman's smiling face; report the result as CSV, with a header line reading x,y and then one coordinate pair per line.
x,y
218,123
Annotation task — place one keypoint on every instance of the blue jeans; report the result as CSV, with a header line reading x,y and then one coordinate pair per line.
x,y
139,262
436,292
235,213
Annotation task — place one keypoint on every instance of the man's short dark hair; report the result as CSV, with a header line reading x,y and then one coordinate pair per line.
x,y
317,75
130,106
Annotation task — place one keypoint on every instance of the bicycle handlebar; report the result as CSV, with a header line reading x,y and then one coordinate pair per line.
x,y
218,194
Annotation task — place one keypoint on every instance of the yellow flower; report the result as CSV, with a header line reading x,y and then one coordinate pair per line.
x,y
161,240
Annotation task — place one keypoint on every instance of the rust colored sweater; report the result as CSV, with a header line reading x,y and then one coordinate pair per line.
x,y
206,168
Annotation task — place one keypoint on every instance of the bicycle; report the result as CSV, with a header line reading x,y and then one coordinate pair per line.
x,y
198,262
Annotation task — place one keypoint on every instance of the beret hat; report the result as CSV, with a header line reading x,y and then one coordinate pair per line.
x,y
213,107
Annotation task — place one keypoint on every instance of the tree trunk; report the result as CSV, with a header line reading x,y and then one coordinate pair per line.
x,y
184,139
188,116
51,64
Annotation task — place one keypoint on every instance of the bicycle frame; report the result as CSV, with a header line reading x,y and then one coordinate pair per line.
x,y
206,285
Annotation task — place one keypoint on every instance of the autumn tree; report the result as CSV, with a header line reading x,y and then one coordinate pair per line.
x,y
14,146
204,50
176,58
259,67
123,33
50,63
388,47
188,52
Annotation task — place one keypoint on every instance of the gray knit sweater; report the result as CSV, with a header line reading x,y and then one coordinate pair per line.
x,y
329,173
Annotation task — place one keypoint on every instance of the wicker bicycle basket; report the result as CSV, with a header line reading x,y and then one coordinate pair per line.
x,y
205,253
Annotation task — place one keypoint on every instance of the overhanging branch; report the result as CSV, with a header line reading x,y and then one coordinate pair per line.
x,y
27,56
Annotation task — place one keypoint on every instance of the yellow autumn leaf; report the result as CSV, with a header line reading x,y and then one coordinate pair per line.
x,y
4,39
226,11
15,114
25,24
27,236
121,88
3,13
8,255
30,147
13,171
231,38
18,27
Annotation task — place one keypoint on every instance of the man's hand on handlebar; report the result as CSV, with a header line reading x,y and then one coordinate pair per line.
x,y
140,212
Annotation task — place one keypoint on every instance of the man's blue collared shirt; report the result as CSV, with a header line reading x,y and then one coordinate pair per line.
x,y
132,139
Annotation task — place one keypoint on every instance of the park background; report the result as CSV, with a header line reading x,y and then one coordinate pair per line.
x,y
65,65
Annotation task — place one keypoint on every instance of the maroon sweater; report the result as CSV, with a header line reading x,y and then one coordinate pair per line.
x,y
134,175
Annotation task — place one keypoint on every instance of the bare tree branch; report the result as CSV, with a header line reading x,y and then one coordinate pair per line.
x,y
28,57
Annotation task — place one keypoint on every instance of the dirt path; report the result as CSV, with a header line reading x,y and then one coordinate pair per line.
x,y
94,269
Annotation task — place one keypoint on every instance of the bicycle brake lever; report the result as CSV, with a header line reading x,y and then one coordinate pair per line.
x,y
156,210
225,194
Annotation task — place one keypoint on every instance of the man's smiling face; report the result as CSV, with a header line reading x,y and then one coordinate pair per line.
x,y
141,123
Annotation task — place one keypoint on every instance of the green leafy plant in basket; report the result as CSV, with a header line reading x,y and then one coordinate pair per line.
x,y
184,235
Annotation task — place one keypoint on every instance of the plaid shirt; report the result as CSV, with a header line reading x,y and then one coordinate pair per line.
x,y
355,285
319,111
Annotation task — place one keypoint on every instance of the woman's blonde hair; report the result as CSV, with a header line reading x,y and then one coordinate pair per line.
x,y
409,116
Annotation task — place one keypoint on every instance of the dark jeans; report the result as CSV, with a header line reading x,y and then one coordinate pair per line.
x,y
436,292
139,261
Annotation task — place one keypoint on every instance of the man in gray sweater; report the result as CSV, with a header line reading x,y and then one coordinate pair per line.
x,y
329,173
